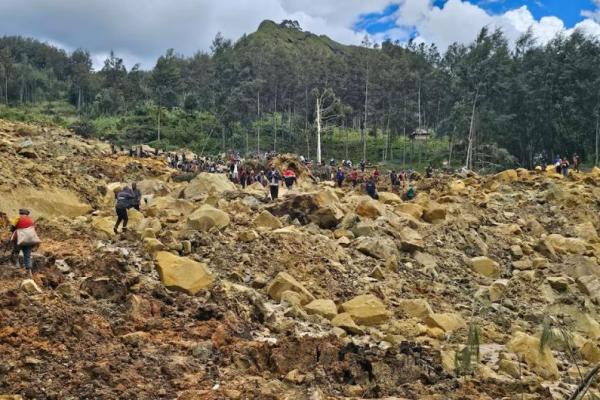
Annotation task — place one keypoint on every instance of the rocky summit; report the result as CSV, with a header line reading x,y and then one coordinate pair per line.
x,y
481,287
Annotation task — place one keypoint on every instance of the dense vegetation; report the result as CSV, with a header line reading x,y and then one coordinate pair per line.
x,y
514,102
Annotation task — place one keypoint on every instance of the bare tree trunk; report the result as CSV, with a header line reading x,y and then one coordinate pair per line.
x,y
318,130
347,139
78,98
258,125
404,138
469,160
158,130
597,135
275,124
365,131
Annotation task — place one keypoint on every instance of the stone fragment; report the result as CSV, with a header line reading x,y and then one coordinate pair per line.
x,y
345,321
366,310
182,274
485,266
284,281
323,307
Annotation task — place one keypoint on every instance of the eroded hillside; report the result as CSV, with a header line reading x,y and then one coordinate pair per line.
x,y
215,293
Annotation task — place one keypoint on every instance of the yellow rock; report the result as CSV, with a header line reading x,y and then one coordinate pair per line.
x,y
182,274
419,308
508,176
152,245
206,183
389,198
345,321
411,209
284,281
369,208
590,352
207,217
323,307
266,220
104,226
434,213
366,310
540,362
449,322
457,187
497,289
247,236
49,203
485,266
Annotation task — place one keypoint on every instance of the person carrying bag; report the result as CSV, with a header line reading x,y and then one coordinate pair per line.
x,y
24,238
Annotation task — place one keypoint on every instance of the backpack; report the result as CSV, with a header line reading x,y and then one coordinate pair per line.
x,y
27,237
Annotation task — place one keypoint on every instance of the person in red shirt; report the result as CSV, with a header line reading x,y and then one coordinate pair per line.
x,y
376,174
354,177
289,177
23,221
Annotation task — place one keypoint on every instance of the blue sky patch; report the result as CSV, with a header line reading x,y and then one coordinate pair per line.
x,y
569,11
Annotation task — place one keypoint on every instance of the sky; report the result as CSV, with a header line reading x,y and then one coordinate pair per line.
x,y
141,30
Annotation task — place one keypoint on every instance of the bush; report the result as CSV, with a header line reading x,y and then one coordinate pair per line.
x,y
83,128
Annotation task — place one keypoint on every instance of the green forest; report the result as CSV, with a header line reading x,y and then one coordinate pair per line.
x,y
280,87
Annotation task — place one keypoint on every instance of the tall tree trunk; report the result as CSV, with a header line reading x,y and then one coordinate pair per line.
x,y
597,135
365,131
258,125
404,138
78,98
275,124
347,139
159,111
469,160
318,130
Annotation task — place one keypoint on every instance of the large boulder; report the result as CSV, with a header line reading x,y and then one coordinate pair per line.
x,y
169,205
206,217
411,240
485,266
587,231
366,310
389,198
284,281
103,226
508,176
382,248
539,361
323,307
345,321
434,213
206,183
321,207
412,209
43,202
182,274
448,322
418,308
153,186
267,220
565,245
369,208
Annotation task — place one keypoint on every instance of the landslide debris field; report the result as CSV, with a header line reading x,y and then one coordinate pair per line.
x,y
215,293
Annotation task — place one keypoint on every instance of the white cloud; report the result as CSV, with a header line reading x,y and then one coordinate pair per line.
x,y
141,30
460,21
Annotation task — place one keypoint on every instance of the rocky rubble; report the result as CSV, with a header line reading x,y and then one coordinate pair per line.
x,y
215,293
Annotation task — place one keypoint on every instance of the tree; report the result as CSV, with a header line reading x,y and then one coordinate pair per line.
x,y
327,109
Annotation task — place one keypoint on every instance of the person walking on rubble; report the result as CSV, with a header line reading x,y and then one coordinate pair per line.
x,y
340,176
124,200
274,177
289,177
137,196
371,188
24,238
